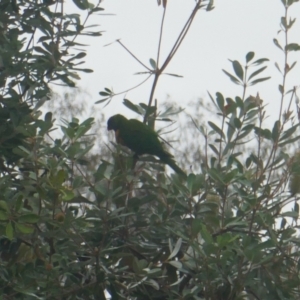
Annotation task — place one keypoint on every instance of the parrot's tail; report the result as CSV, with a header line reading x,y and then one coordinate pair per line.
x,y
171,162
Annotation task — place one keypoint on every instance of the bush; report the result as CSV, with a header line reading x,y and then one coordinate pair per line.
x,y
73,227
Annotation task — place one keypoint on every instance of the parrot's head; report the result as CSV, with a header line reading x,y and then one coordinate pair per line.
x,y
115,122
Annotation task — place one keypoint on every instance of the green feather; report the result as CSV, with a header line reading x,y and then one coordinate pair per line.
x,y
141,139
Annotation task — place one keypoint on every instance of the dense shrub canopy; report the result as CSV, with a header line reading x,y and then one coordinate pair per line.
x,y
79,226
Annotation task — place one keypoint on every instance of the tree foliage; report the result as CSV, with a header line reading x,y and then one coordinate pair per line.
x,y
72,227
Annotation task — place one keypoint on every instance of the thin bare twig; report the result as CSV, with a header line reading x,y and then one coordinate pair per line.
x,y
118,41
175,47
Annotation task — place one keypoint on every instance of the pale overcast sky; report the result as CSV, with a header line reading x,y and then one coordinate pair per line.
x,y
232,29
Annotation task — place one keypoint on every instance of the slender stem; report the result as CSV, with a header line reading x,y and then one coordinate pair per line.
x,y
84,22
132,88
156,76
221,140
223,207
243,98
285,65
275,143
118,41
171,54
160,36
259,142
59,27
181,35
206,150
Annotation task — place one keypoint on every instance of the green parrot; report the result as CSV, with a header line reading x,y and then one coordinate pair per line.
x,y
141,139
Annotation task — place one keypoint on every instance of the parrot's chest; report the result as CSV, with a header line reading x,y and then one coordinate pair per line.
x,y
125,140
118,137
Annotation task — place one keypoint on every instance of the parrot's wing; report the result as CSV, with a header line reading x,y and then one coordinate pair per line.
x,y
141,139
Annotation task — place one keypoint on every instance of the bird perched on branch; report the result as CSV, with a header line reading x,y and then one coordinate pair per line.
x,y
141,139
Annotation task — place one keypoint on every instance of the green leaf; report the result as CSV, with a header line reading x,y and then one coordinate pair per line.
x,y
96,9
248,161
238,69
174,75
277,44
259,80
277,67
133,107
223,240
101,100
256,160
24,228
178,265
230,176
292,47
84,128
77,56
29,218
265,133
276,131
239,102
280,87
249,56
260,61
245,131
153,63
19,203
211,98
295,139
232,160
230,129
210,5
152,110
81,4
196,226
220,101
257,72
216,129
292,66
3,205
215,175
68,195
3,215
176,248
283,223
83,70
292,214
283,22
58,179
237,123
207,237
190,182
213,148
9,231
48,117
233,78
41,50
231,106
